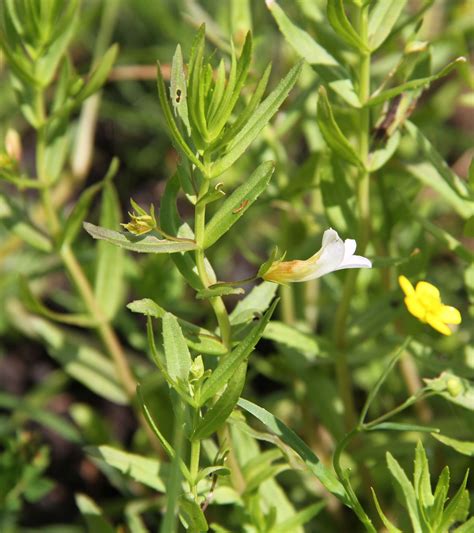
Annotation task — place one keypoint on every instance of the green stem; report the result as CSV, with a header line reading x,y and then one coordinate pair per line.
x,y
343,374
217,303
106,333
194,464
344,479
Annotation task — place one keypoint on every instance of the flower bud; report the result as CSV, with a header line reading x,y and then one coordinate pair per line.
x,y
454,387
13,144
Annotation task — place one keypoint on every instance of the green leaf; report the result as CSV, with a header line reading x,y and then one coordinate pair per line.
x,y
232,94
445,238
46,65
218,290
109,286
382,18
437,175
178,358
386,522
166,445
276,426
93,515
199,339
402,483
379,157
193,515
78,214
176,136
338,19
254,304
178,93
467,527
222,409
256,122
462,446
36,306
147,244
80,360
337,78
454,389
237,203
458,507
30,235
142,469
440,494
231,362
421,477
99,74
171,223
413,84
249,110
396,426
332,133
299,518
293,338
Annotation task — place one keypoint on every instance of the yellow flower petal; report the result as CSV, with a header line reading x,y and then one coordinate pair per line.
x,y
449,315
415,307
437,324
425,290
406,286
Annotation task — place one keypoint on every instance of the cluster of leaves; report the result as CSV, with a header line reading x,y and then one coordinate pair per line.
x,y
364,170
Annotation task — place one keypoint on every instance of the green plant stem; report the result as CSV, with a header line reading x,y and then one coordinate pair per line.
x,y
217,303
194,464
363,199
344,479
103,327
75,271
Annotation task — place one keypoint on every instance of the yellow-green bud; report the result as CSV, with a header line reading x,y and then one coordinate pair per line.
x,y
454,387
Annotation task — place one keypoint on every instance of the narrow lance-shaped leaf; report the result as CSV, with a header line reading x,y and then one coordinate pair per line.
x,y
93,515
337,78
231,362
338,19
257,122
332,132
178,359
176,136
413,84
109,286
197,338
237,203
403,484
222,409
178,92
99,74
148,244
79,212
382,19
289,437
461,446
142,469
171,223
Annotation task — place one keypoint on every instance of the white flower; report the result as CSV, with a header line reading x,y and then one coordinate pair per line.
x,y
335,254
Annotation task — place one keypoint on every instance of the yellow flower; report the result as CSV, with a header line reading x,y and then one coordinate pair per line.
x,y
424,302
335,254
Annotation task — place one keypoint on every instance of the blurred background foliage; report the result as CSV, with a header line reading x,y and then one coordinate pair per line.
x,y
47,414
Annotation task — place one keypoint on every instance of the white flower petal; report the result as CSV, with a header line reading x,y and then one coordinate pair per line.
x,y
327,259
355,261
330,235
349,248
